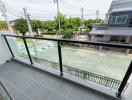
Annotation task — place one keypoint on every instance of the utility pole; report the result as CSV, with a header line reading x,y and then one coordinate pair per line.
x,y
28,21
30,30
3,10
58,16
82,19
97,16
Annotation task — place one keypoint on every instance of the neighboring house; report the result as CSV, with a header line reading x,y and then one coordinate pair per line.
x,y
12,22
118,24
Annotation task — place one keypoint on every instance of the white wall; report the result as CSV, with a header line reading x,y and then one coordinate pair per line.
x,y
4,51
99,39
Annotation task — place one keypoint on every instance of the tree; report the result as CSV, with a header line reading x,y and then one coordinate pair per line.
x,y
67,34
89,23
75,23
49,25
62,19
3,25
21,25
36,24
68,26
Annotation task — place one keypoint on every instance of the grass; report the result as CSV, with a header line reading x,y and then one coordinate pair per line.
x,y
27,40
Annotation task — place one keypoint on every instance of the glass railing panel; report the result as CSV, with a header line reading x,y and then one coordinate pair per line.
x,y
18,47
4,94
103,65
44,52
106,67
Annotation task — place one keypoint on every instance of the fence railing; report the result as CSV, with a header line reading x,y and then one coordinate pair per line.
x,y
100,79
112,83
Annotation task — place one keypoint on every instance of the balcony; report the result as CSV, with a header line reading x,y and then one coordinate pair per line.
x,y
27,83
100,27
39,69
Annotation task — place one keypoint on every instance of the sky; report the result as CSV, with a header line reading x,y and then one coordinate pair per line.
x,y
46,9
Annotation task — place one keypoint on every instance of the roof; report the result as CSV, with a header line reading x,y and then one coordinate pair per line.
x,y
122,31
122,9
120,5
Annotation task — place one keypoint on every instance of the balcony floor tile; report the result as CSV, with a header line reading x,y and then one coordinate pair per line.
x,y
27,83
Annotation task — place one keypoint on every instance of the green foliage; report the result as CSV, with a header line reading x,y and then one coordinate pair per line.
x,y
67,34
69,26
72,23
89,23
21,25
3,25
36,24
68,23
23,55
21,40
49,25
62,19
50,33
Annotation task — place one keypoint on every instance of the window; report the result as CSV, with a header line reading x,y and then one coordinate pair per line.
x,y
113,19
118,39
100,36
119,19
124,19
130,22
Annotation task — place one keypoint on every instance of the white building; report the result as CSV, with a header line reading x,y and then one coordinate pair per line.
x,y
118,24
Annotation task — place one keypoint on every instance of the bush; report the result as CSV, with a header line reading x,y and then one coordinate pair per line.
x,y
67,34
49,33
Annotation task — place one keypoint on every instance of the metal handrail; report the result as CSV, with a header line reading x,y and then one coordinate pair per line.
x,y
5,90
127,46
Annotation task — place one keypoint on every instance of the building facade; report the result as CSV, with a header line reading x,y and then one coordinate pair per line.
x,y
118,24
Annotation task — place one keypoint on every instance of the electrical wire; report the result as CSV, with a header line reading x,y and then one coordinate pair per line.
x,y
10,11
10,8
40,15
69,5
77,8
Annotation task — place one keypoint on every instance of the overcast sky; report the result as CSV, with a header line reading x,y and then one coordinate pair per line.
x,y
46,9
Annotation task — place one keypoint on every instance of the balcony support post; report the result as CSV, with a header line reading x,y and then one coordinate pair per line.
x,y
28,52
8,46
125,80
60,59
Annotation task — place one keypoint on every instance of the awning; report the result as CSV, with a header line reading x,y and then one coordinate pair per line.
x,y
121,31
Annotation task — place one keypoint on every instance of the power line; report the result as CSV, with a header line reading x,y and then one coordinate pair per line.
x,y
3,10
40,17
17,14
14,14
10,8
73,7
69,5
12,11
41,14
68,8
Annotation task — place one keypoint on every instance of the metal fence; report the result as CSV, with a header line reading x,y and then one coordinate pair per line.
x,y
102,80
